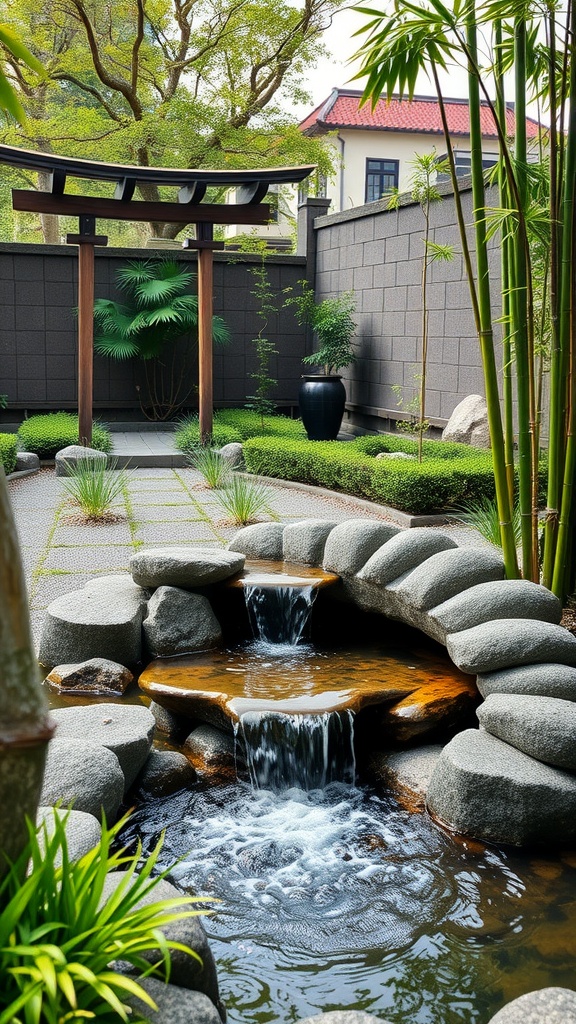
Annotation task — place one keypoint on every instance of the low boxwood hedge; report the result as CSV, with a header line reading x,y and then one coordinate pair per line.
x,y
8,452
236,425
47,433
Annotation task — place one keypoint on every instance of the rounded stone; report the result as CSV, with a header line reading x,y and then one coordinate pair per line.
x,y
27,461
68,458
97,677
176,1005
233,455
179,623
184,566
404,552
545,1006
543,727
448,573
305,541
406,772
505,642
542,680
261,541
343,1017
83,830
165,772
212,753
510,599
83,774
118,583
349,545
92,624
468,424
125,729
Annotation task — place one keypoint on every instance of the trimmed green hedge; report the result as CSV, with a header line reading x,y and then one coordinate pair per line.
x,y
375,444
8,452
236,425
47,433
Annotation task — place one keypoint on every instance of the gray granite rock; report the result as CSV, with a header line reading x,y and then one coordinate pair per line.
x,y
125,729
97,677
305,541
542,680
212,753
92,624
349,545
169,722
165,772
68,458
484,788
506,642
343,1017
404,552
176,1005
118,583
27,461
187,972
406,772
468,423
543,727
186,567
233,455
545,1006
179,623
448,573
83,774
261,540
83,831
510,599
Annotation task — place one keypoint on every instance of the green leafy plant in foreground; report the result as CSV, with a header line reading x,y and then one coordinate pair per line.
x,y
59,933
483,516
210,464
244,500
95,486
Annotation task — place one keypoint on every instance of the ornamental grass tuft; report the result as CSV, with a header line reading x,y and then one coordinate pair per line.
x,y
94,487
244,500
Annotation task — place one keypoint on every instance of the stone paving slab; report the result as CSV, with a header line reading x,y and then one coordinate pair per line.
x,y
183,531
72,535
104,556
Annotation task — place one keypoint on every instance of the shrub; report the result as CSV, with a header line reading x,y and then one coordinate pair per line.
x,y
235,425
374,444
8,452
187,437
47,433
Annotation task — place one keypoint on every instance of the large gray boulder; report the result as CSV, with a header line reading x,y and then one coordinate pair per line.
x,y
260,541
92,624
406,772
448,573
545,1006
343,1017
505,642
68,458
468,423
96,677
83,831
83,774
305,541
349,545
125,729
118,583
179,623
165,772
187,971
483,787
543,727
510,599
233,455
176,1005
542,680
186,567
402,553
27,462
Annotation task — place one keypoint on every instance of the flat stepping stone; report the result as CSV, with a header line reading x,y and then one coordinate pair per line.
x,y
542,680
349,545
176,1005
184,566
502,599
96,677
179,623
85,775
403,553
546,1006
305,542
485,788
506,642
118,583
83,831
89,624
446,574
543,727
125,729
260,540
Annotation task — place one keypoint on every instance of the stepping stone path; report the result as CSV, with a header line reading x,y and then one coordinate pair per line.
x,y
184,567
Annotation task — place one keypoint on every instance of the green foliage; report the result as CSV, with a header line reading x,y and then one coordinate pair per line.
x,y
332,322
265,349
376,443
58,936
8,451
187,436
244,500
12,45
483,516
94,486
235,425
210,464
47,433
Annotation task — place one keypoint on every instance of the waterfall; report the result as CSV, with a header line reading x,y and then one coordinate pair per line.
x,y
297,751
279,615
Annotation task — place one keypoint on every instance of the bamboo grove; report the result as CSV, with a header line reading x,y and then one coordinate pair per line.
x,y
526,332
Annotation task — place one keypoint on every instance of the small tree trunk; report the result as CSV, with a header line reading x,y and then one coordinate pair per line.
x,y
49,222
24,725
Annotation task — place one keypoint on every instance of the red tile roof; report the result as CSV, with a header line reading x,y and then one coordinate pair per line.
x,y
421,115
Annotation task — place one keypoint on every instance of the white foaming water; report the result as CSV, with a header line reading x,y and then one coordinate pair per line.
x,y
279,615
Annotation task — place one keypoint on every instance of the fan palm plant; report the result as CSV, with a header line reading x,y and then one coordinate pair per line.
x,y
160,310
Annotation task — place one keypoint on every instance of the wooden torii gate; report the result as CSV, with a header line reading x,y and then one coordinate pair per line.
x,y
251,187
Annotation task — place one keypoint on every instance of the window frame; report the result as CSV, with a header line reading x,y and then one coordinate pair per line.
x,y
395,172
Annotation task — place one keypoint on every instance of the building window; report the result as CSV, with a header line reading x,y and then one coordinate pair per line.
x,y
462,163
381,176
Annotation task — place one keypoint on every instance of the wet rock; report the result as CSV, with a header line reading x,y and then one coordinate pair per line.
x,y
261,540
406,772
439,705
404,552
161,681
186,972
90,624
179,623
83,831
98,677
84,774
468,423
343,1017
543,727
484,788
304,542
543,680
545,1006
445,574
506,642
165,772
125,729
27,462
511,599
68,458
176,1005
170,723
212,753
184,566
349,545
233,455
